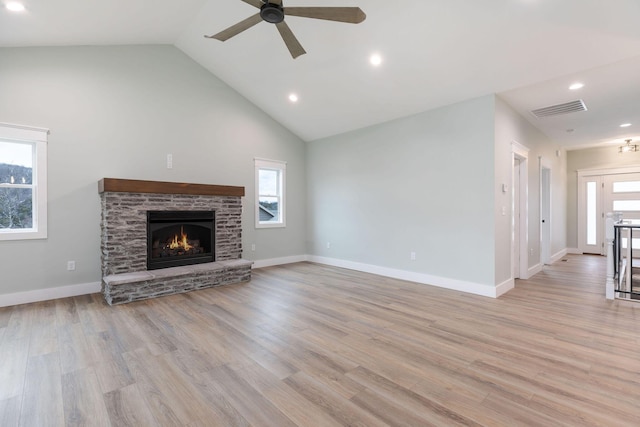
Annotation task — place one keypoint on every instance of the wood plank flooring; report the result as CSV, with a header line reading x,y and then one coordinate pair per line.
x,y
311,345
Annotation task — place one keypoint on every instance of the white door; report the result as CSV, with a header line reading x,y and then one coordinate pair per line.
x,y
590,215
545,215
622,194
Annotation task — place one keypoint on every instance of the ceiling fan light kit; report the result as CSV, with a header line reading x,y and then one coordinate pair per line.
x,y
274,12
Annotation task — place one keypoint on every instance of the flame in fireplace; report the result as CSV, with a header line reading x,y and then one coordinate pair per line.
x,y
180,242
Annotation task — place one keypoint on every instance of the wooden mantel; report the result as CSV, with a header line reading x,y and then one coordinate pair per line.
x,y
136,186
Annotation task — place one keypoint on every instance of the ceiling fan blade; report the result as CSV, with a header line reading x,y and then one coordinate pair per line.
x,y
294,46
237,28
254,3
351,15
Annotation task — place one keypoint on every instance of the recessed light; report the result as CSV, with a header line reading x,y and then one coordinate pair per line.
x,y
14,6
293,97
625,125
576,86
375,60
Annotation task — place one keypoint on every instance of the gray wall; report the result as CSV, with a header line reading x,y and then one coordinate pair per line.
x,y
590,158
422,183
427,184
510,126
116,112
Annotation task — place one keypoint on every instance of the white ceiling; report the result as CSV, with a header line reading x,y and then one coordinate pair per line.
x,y
435,53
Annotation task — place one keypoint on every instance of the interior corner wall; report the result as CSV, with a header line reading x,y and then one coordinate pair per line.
x,y
421,184
117,111
510,126
590,158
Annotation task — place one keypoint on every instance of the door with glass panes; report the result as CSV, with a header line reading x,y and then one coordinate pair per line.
x,y
599,194
622,194
590,215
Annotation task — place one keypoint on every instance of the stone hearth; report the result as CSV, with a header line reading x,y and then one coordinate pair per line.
x,y
124,238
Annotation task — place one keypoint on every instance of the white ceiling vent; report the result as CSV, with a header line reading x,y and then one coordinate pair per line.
x,y
556,110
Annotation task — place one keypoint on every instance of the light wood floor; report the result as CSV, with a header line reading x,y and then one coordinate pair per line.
x,y
310,345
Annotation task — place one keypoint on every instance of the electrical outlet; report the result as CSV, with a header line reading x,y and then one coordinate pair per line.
x,y
413,256
328,245
253,246
71,265
169,161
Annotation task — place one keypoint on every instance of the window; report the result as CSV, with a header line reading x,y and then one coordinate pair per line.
x,y
23,182
626,205
270,192
592,213
626,186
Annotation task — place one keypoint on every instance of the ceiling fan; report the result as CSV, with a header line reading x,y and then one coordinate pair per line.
x,y
273,11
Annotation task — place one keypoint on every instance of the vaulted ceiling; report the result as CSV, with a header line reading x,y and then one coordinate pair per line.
x,y
433,53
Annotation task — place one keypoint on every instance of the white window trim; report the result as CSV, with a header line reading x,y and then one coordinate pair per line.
x,y
19,133
274,165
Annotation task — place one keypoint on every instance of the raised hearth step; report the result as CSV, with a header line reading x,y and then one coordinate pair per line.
x,y
136,286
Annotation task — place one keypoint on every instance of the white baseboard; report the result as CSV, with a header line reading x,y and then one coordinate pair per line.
x,y
532,271
426,279
558,256
49,294
505,287
279,261
574,251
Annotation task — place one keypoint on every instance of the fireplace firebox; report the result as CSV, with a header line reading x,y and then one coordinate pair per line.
x,y
176,238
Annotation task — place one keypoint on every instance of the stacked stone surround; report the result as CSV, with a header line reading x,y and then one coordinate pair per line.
x,y
129,287
124,241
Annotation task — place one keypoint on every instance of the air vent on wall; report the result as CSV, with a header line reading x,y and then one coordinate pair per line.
x,y
556,110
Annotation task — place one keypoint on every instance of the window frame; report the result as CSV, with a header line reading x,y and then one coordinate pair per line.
x,y
37,138
281,168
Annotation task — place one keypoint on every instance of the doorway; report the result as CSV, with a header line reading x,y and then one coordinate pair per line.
x,y
519,220
516,218
602,191
545,212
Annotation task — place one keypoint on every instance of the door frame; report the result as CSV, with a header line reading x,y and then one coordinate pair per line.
x,y
545,210
521,153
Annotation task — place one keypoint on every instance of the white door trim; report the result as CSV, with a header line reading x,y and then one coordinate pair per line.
x,y
607,171
520,152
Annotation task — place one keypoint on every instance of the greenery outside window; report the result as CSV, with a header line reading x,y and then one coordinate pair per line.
x,y
23,182
270,193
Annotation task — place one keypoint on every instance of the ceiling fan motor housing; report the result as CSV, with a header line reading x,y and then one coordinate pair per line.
x,y
271,12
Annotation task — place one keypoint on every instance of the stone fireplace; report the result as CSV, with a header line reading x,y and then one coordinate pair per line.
x,y
134,211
